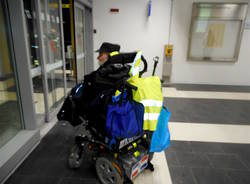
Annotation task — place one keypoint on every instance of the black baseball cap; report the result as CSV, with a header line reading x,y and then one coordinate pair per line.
x,y
108,47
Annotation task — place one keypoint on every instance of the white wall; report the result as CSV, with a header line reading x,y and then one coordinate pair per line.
x,y
131,27
204,72
133,30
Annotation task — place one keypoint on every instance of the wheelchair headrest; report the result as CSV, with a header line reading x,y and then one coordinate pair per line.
x,y
128,58
123,58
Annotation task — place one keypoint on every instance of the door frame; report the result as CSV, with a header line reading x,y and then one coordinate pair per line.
x,y
81,7
48,67
24,142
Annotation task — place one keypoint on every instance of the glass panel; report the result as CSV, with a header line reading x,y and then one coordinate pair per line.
x,y
53,54
70,55
79,29
56,87
216,31
71,81
38,97
79,32
214,39
32,33
51,29
53,51
10,121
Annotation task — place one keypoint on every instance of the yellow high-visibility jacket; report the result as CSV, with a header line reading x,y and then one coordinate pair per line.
x,y
148,92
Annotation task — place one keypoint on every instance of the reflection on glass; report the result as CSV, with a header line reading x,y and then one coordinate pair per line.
x,y
29,8
71,82
70,76
56,87
52,40
51,30
214,39
10,121
79,29
38,96
70,64
32,34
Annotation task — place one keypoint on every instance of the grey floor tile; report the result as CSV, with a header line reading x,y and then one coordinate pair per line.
x,y
241,150
171,158
210,163
52,151
86,171
26,179
181,175
31,167
206,147
209,110
64,154
225,161
236,148
193,160
205,87
210,176
180,146
240,177
78,181
55,168
245,158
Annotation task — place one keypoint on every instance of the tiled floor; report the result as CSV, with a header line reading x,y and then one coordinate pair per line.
x,y
211,104
203,113
47,164
208,163
187,163
198,119
210,115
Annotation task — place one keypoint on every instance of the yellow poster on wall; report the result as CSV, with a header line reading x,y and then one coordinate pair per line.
x,y
215,38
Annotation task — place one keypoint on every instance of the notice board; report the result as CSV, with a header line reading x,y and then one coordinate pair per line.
x,y
216,31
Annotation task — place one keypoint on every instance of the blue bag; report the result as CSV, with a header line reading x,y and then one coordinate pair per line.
x,y
161,136
125,120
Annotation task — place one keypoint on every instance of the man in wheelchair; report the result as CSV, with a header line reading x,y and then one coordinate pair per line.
x,y
114,123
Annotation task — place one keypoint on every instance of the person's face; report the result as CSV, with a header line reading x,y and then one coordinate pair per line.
x,y
103,57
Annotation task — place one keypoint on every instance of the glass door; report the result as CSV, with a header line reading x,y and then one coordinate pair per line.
x,y
10,109
43,21
35,65
79,41
54,62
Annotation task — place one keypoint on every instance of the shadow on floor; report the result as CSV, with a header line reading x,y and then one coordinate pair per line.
x,y
47,164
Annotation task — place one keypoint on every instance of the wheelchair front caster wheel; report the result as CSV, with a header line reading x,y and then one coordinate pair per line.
x,y
75,159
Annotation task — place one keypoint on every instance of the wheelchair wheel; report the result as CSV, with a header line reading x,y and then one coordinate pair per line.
x,y
108,170
74,160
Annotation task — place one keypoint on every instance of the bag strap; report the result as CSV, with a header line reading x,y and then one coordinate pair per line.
x,y
122,94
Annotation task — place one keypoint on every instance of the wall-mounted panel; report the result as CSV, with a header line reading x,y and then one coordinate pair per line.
x,y
216,31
